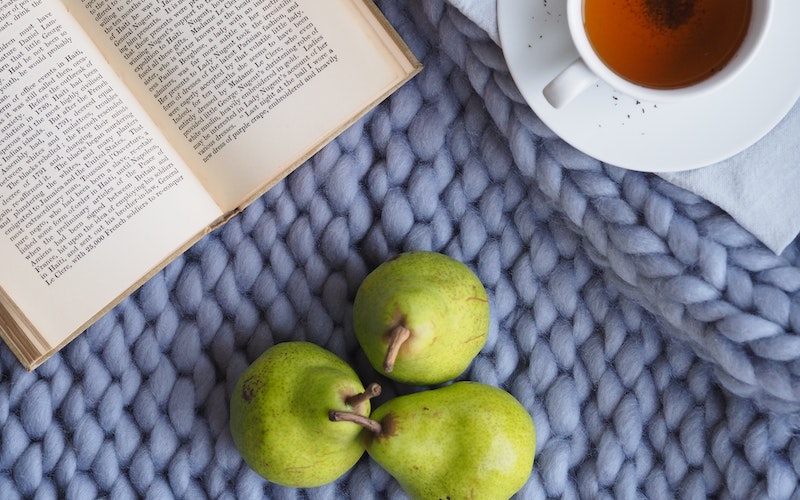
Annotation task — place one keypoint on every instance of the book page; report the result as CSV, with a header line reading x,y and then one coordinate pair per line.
x,y
246,89
92,197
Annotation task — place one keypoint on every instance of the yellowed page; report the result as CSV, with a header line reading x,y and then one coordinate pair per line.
x,y
246,89
92,197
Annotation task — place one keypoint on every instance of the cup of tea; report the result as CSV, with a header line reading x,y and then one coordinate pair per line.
x,y
659,50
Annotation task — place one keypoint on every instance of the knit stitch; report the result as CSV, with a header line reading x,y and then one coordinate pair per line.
x,y
651,338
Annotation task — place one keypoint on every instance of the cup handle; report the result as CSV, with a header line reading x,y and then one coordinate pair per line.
x,y
570,83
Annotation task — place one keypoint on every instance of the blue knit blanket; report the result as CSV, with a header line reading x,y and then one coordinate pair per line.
x,y
652,339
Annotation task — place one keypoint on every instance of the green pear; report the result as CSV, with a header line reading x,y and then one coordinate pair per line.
x,y
421,318
463,441
279,415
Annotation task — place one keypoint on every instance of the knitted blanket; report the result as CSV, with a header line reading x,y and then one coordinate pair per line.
x,y
652,339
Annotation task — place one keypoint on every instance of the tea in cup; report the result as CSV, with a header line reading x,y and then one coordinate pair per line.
x,y
659,50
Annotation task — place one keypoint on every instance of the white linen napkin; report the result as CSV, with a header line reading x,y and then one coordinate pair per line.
x,y
758,187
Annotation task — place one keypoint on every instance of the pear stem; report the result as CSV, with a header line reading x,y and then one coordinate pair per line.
x,y
397,336
373,390
348,416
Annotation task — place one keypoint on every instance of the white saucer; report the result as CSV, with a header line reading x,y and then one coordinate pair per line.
x,y
619,130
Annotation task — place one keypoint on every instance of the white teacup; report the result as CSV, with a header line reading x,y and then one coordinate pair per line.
x,y
589,67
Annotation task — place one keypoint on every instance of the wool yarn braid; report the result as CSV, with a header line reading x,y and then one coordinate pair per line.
x,y
651,337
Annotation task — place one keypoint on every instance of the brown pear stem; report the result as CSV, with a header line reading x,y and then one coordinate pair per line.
x,y
397,336
372,390
348,416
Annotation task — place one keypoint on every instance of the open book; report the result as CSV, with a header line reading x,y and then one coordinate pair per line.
x,y
131,128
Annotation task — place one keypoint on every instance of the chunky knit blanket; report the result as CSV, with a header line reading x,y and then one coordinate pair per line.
x,y
653,340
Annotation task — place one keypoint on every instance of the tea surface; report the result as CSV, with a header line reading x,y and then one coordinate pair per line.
x,y
666,43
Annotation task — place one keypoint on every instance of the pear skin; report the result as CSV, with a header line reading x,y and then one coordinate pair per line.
x,y
463,441
421,318
279,415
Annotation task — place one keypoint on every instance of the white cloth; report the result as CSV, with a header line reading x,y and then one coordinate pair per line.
x,y
758,187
